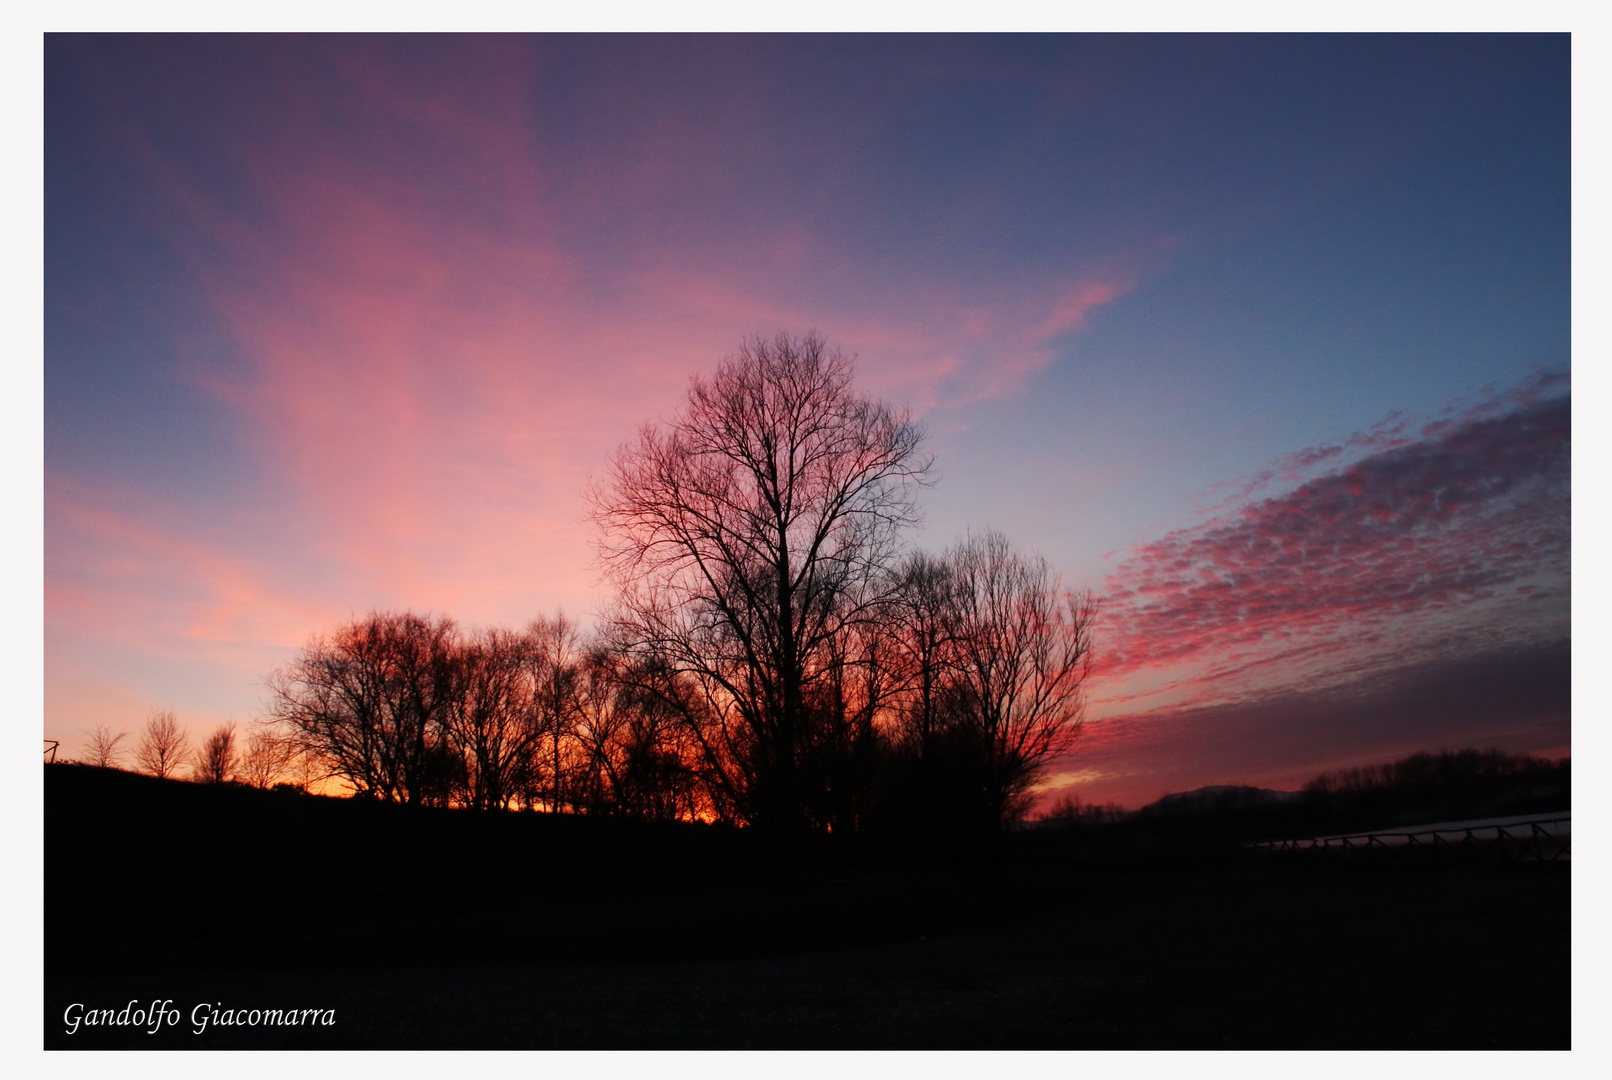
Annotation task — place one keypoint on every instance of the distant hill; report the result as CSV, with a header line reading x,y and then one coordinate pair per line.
x,y
1218,797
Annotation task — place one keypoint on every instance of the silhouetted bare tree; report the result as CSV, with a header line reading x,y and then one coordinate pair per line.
x,y
841,753
268,757
1069,811
746,534
771,658
369,703
554,657
494,720
102,748
1023,647
215,759
164,747
922,625
675,707
637,755
602,730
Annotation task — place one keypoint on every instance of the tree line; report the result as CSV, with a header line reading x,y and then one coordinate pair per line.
x,y
164,750
1418,789
775,654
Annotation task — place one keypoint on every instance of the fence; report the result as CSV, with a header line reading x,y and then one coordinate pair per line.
x,y
1529,838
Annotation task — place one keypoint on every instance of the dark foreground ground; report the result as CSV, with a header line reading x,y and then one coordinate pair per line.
x,y
1052,949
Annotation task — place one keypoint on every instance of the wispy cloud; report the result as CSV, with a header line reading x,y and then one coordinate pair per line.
x,y
434,377
160,581
446,318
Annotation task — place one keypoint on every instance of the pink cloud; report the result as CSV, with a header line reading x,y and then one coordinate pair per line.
x,y
138,581
1419,543
434,363
433,382
1069,311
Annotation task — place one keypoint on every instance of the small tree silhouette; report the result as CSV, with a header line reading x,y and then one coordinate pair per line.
x,y
164,746
268,756
103,749
215,761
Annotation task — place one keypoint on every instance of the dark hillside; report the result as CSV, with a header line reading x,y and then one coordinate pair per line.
x,y
151,873
438,928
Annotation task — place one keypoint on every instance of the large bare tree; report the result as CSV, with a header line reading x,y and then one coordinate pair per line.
x,y
1023,651
750,531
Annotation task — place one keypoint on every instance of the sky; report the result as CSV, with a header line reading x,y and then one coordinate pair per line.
x,y
1265,340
